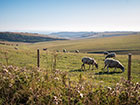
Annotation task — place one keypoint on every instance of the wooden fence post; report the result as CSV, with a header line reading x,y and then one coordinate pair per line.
x,y
129,66
38,58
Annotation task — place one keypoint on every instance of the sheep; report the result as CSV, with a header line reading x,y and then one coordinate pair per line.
x,y
89,61
76,51
106,53
64,50
110,55
15,48
112,63
44,49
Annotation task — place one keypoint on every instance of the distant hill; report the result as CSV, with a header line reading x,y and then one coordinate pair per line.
x,y
83,35
119,44
26,37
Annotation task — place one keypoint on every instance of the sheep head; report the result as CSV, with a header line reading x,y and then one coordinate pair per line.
x,y
121,67
96,65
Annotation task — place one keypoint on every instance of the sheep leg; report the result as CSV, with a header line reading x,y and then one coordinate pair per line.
x,y
83,65
104,67
107,69
89,67
93,67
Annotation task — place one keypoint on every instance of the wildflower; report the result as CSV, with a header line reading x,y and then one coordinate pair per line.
x,y
81,88
81,95
54,97
5,70
101,81
56,78
56,100
117,84
117,92
10,85
109,88
137,86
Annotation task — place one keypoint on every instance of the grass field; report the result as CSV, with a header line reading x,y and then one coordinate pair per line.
x,y
25,56
60,79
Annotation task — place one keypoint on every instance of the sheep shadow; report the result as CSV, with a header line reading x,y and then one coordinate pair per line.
x,y
108,73
77,70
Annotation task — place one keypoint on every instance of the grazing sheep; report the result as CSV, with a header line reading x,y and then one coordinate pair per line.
x,y
106,53
112,63
77,51
89,61
110,55
15,48
44,49
64,50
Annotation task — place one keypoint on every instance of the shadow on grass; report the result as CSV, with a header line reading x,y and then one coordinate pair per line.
x,y
78,70
108,73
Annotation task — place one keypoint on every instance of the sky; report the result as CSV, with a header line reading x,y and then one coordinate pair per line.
x,y
69,15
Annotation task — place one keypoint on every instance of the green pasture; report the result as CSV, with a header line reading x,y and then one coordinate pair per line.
x,y
59,80
26,56
70,63
130,43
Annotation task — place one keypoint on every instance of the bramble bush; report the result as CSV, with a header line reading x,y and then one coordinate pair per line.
x,y
45,87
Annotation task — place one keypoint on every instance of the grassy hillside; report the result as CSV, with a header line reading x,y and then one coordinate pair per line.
x,y
69,62
127,44
85,35
25,37
60,80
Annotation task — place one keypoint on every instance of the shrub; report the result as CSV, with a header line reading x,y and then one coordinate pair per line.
x,y
41,86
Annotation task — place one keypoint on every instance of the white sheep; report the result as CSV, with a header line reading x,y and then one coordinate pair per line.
x,y
64,50
110,55
15,48
112,63
89,61
77,51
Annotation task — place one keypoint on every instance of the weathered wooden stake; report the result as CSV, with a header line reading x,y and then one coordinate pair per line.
x,y
38,58
129,67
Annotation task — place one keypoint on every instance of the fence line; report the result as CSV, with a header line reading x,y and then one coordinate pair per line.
x,y
38,58
129,63
129,66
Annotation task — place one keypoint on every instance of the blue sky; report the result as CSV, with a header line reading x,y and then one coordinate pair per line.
x,y
70,15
